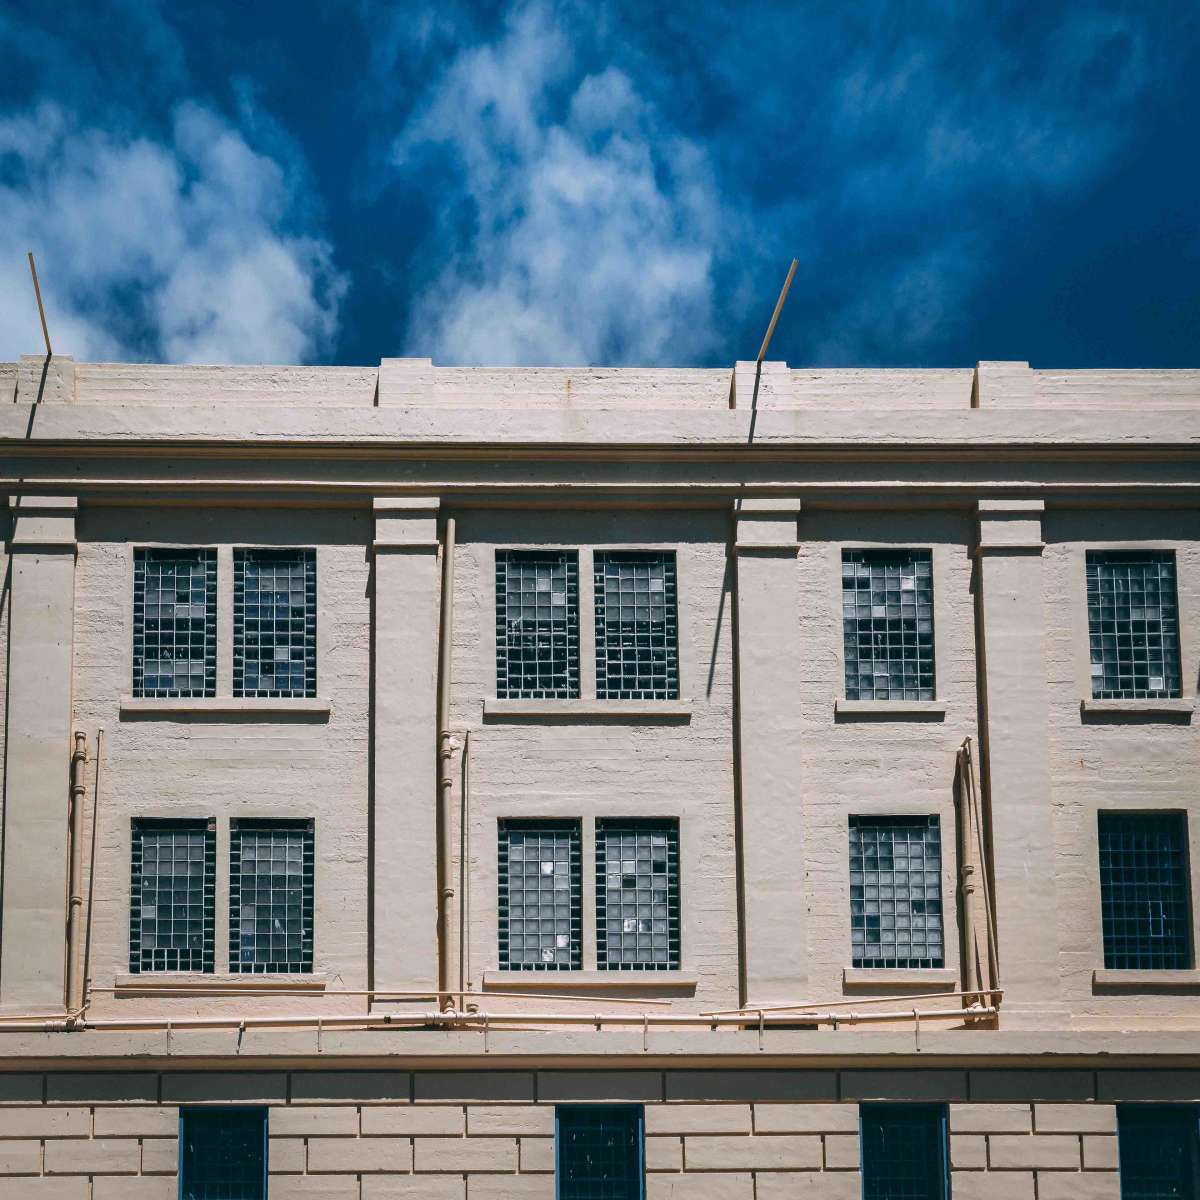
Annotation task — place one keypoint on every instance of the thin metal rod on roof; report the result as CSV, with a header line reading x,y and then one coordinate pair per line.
x,y
37,291
787,283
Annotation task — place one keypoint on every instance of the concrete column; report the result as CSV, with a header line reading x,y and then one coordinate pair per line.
x,y
771,820
1011,625
404,720
37,763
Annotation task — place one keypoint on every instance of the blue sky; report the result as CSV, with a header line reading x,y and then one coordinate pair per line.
x,y
610,182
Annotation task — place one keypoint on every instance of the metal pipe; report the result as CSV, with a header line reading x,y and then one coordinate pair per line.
x,y
74,991
757,1008
444,755
464,859
967,872
91,904
193,990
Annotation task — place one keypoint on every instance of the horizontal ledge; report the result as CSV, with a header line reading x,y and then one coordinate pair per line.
x,y
598,981
1146,981
933,978
218,706
890,710
196,984
1178,709
572,710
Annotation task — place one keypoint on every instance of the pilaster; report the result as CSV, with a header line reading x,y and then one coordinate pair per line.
x,y
37,773
404,765
771,820
1011,623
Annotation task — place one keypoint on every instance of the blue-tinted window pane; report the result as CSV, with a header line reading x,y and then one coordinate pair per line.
x,y
174,623
1145,902
637,895
1158,1146
904,1152
540,896
270,896
537,624
275,623
223,1154
600,1153
637,626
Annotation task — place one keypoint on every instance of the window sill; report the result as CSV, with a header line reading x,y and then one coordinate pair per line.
x,y
933,979
889,710
1140,711
567,711
225,707
1107,980
191,983
643,982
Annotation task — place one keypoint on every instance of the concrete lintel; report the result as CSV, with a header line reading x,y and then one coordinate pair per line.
x,y
406,523
767,524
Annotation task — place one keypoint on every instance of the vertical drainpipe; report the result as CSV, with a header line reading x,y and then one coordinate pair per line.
x,y
74,990
968,867
445,780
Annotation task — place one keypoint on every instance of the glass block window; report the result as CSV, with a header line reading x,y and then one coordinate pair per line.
x,y
1133,624
904,1152
1159,1151
271,896
174,623
637,895
598,1150
172,895
887,624
275,623
223,1154
1145,900
537,624
896,892
637,626
541,895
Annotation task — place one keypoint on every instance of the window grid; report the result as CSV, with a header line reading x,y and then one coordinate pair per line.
x,y
223,1156
172,896
887,624
600,1154
904,1152
637,895
541,896
174,623
896,892
1159,1151
1133,624
275,623
537,624
270,897
1145,900
637,626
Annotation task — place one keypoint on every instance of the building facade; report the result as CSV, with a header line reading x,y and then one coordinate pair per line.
x,y
470,784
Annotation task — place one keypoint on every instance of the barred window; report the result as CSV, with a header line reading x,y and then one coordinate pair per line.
x,y
172,895
637,626
223,1154
599,1153
1133,624
174,623
887,624
637,895
274,623
896,892
270,896
1145,900
1159,1151
541,893
537,624
904,1152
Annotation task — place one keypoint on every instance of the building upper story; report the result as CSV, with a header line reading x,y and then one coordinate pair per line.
x,y
610,691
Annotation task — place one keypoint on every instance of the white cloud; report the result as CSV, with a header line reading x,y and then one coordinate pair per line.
x,y
593,225
177,249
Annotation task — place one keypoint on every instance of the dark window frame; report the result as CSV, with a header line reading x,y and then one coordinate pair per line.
x,y
523,651
148,626
673,919
573,829
303,965
1139,1119
137,953
190,1188
567,1188
936,1152
636,660
300,632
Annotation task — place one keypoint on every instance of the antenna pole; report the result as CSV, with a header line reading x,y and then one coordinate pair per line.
x,y
37,291
787,283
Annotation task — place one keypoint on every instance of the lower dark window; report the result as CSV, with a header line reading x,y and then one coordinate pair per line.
x,y
541,896
1145,901
637,895
223,1154
1160,1151
270,896
599,1152
904,1152
172,893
